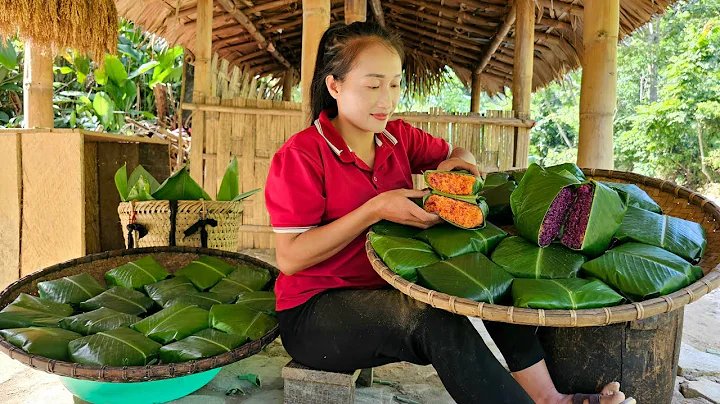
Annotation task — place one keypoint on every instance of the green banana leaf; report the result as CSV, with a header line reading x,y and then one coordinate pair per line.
x,y
477,186
636,196
120,347
246,195
72,289
532,199
164,291
102,319
606,215
517,175
46,342
493,180
230,186
204,344
203,300
206,271
680,237
563,294
20,317
174,323
641,271
476,200
136,274
523,259
120,299
403,256
240,320
35,303
449,241
388,228
263,302
498,201
140,191
121,182
140,171
472,276
180,187
242,279
568,167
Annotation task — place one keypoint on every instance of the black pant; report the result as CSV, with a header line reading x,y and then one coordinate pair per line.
x,y
344,330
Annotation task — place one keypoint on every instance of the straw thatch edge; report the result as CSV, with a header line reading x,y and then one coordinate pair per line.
x,y
136,373
568,318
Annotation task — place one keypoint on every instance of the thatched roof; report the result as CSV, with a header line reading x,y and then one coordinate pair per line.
x,y
265,35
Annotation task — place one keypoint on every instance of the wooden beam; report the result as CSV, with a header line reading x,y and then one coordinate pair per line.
x,y
523,75
378,12
420,117
38,85
230,7
270,5
202,86
458,44
446,32
240,110
288,81
456,14
485,6
443,21
475,91
316,20
598,88
355,11
497,40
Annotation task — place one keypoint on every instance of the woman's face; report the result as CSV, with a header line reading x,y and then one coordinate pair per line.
x,y
370,91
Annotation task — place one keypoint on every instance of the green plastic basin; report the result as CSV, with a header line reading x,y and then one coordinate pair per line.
x,y
156,391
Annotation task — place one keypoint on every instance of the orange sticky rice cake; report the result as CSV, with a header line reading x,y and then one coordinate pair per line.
x,y
461,213
451,183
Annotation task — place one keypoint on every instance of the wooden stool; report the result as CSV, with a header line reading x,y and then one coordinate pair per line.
x,y
304,385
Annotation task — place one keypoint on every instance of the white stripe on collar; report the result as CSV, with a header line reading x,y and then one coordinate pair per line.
x,y
337,151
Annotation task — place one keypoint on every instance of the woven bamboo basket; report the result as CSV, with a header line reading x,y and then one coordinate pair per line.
x,y
172,259
166,223
673,199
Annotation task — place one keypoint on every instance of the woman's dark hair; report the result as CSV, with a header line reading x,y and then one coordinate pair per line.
x,y
339,47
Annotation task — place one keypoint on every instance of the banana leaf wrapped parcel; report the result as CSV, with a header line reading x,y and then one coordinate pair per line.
x,y
460,183
465,212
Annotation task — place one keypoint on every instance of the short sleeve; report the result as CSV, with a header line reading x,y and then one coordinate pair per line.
x,y
425,152
294,192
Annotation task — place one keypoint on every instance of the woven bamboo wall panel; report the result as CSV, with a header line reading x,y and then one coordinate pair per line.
x,y
233,82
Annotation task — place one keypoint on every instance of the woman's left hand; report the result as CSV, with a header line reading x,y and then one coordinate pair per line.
x,y
460,164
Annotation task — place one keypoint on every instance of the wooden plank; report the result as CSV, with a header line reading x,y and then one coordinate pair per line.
x,y
38,84
316,20
236,149
212,121
202,86
223,141
240,110
53,199
112,156
109,137
92,202
248,171
11,212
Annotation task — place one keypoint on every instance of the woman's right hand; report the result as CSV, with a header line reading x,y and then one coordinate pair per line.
x,y
396,206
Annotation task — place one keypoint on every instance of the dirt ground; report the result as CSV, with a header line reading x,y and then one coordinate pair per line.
x,y
20,384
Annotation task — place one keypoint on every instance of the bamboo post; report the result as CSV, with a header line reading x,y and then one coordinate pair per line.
x,y
288,84
38,83
599,84
355,10
523,75
201,87
316,20
475,91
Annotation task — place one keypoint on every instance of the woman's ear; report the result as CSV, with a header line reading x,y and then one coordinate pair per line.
x,y
333,86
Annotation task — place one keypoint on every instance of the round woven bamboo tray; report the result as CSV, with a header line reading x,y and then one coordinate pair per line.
x,y
673,199
172,259
157,218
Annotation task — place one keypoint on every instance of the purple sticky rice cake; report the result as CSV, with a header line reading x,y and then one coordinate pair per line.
x,y
577,222
555,216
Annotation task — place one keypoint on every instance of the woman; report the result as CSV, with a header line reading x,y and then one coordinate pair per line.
x,y
326,186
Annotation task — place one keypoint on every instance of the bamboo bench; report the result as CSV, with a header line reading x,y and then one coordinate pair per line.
x,y
304,385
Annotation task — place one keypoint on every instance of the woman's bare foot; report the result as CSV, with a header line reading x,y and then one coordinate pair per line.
x,y
611,394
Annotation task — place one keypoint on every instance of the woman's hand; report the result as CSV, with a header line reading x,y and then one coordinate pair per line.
x,y
396,206
458,163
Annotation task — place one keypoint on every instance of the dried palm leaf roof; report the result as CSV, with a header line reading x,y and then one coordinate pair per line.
x,y
264,36
89,26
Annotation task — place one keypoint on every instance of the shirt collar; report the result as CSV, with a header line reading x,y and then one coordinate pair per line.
x,y
337,143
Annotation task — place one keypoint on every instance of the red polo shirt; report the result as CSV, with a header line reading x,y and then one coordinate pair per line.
x,y
315,178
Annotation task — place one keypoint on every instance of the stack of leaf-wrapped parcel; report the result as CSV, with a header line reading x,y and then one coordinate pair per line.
x,y
576,243
144,315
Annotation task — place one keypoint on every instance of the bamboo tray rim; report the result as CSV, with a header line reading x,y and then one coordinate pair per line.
x,y
128,374
568,318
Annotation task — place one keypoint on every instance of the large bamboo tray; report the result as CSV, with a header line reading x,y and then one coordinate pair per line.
x,y
172,259
673,199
